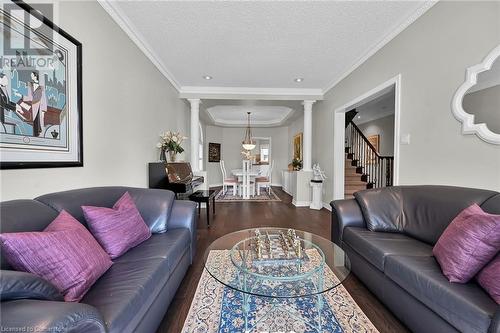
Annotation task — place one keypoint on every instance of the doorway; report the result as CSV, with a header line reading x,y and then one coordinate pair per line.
x,y
366,140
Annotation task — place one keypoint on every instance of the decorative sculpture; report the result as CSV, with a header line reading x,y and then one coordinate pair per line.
x,y
289,245
318,174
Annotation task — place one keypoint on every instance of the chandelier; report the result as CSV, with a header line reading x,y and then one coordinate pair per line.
x,y
247,143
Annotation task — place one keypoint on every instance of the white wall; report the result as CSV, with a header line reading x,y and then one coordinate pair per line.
x,y
384,127
126,104
230,139
432,55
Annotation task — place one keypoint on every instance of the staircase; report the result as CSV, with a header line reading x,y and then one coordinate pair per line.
x,y
352,179
365,168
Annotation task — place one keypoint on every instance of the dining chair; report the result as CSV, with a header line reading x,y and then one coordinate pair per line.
x,y
227,181
265,181
246,187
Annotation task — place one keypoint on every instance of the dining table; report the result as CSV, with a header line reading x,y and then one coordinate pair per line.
x,y
251,173
246,180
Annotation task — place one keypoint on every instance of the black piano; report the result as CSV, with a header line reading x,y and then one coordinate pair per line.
x,y
175,176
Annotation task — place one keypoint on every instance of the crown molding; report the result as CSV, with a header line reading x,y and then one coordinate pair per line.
x,y
390,36
127,26
294,94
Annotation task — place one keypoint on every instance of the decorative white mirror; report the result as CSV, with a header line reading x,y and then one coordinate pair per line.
x,y
477,101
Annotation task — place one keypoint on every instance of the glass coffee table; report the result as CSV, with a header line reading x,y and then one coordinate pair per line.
x,y
279,265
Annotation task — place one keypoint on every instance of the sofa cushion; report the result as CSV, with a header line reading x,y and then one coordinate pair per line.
x,y
24,215
468,244
154,205
422,212
131,285
126,291
117,229
170,246
20,285
65,254
375,247
465,306
489,278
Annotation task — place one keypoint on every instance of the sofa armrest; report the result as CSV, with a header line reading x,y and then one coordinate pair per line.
x,y
184,216
345,213
19,285
47,316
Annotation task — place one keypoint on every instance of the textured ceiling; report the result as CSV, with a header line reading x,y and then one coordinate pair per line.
x,y
263,44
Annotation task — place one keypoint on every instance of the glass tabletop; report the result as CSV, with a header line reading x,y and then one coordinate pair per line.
x,y
276,262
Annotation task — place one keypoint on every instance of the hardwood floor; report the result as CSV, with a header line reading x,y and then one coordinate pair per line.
x,y
242,215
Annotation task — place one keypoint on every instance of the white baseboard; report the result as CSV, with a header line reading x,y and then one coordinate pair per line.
x,y
301,203
327,206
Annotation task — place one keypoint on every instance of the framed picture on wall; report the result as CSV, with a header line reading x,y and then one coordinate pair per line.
x,y
375,142
40,90
213,152
297,146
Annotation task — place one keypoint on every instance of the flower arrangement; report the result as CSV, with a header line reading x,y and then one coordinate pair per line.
x,y
297,164
247,155
171,142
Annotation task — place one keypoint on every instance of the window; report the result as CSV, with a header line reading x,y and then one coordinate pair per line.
x,y
264,154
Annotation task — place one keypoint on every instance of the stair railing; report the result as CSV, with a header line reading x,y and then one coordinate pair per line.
x,y
375,169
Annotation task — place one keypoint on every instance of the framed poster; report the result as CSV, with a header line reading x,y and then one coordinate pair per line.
x,y
375,142
297,146
213,152
40,90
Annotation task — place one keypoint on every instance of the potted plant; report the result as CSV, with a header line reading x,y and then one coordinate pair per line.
x,y
170,142
297,164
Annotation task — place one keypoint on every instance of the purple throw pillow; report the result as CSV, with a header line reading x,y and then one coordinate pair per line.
x,y
470,241
65,254
489,278
117,229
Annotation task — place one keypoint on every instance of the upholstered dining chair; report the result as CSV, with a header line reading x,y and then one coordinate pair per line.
x,y
227,181
265,181
246,178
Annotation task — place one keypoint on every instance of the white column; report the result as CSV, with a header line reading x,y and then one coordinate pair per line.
x,y
195,132
307,144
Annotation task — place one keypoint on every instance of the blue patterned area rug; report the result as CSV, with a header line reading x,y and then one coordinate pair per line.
x,y
218,309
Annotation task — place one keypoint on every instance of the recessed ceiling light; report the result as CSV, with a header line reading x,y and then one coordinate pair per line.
x,y
359,117
299,79
207,77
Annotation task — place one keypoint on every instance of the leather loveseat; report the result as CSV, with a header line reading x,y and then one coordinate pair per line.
x,y
133,295
389,234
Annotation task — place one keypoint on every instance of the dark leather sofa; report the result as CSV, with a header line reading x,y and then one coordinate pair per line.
x,y
388,235
133,295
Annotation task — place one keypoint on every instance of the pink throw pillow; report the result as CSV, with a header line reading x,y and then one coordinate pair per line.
x,y
117,229
470,241
489,278
65,254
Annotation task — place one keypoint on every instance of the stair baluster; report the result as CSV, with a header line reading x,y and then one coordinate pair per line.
x,y
374,169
